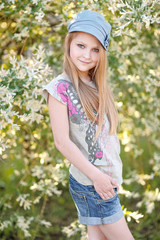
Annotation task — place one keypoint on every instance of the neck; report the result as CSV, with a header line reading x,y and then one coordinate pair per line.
x,y
85,78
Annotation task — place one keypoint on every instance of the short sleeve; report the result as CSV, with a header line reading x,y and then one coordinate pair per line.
x,y
57,89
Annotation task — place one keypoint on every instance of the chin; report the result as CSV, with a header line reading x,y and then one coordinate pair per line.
x,y
84,69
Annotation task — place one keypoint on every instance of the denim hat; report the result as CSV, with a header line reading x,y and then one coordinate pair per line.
x,y
93,23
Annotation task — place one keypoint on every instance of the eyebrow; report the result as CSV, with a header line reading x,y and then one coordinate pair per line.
x,y
86,44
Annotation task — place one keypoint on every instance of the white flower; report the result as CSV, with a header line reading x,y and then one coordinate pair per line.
x,y
34,105
39,16
23,33
135,215
4,225
35,2
45,223
1,6
23,201
38,172
11,1
23,224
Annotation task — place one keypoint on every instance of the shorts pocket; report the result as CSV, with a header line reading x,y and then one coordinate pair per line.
x,y
100,200
80,202
79,189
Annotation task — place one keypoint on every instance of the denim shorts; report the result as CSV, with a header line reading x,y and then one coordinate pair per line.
x,y
91,208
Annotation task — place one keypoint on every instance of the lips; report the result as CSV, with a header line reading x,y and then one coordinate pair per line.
x,y
84,62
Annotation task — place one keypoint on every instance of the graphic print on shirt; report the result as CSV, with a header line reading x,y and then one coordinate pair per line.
x,y
77,116
94,150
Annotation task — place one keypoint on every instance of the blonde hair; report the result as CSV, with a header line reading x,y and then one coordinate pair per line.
x,y
91,102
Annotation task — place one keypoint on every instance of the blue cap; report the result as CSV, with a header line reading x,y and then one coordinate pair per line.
x,y
94,23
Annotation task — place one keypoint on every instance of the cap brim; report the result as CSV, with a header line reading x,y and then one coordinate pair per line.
x,y
88,29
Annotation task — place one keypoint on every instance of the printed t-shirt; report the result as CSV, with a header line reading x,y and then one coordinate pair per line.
x,y
104,153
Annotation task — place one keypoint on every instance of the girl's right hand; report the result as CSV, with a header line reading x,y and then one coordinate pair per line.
x,y
104,185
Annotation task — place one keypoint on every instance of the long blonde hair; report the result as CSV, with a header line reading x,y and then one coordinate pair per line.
x,y
95,102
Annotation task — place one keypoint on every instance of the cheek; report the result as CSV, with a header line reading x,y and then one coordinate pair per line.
x,y
95,57
73,52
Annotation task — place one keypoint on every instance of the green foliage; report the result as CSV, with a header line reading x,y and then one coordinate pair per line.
x,y
35,202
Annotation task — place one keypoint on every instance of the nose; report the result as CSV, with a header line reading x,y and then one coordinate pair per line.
x,y
87,53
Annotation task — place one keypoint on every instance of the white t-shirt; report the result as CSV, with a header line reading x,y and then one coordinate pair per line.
x,y
104,153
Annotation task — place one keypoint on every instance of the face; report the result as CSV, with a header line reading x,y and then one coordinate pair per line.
x,y
84,52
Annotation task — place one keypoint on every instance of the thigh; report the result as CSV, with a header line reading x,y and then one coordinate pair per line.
x,y
118,230
94,233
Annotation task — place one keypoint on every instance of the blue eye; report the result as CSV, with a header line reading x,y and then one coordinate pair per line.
x,y
80,45
96,50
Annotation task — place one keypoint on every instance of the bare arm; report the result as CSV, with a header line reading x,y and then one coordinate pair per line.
x,y
60,127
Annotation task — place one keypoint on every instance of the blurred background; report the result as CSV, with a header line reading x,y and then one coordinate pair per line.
x,y
34,199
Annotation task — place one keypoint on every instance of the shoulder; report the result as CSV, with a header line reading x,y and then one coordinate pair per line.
x,y
61,78
57,87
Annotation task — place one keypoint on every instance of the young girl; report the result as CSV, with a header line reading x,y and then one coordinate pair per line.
x,y
84,120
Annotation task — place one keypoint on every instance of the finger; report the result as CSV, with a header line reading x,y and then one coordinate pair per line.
x,y
110,194
107,194
114,183
110,191
104,196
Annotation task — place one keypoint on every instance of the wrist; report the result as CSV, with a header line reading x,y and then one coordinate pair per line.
x,y
94,174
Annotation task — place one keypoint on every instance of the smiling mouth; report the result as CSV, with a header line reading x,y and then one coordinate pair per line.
x,y
84,62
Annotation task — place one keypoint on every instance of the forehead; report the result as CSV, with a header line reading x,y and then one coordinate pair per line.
x,y
86,38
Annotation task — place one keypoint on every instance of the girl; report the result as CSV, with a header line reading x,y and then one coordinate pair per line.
x,y
84,120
